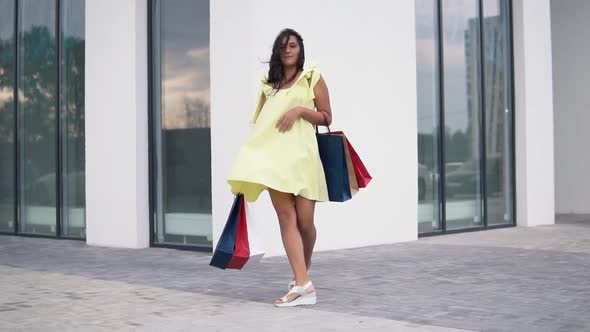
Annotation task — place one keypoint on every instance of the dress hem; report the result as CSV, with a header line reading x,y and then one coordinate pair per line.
x,y
266,187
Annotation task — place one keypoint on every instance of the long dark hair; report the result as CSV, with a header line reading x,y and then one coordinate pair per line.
x,y
276,71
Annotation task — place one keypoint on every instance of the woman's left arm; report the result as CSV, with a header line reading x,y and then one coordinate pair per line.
x,y
321,117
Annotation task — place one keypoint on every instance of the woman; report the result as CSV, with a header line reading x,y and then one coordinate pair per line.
x,y
282,156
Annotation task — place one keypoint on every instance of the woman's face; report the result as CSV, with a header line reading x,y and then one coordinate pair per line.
x,y
290,52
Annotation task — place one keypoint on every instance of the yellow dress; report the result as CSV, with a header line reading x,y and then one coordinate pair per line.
x,y
287,162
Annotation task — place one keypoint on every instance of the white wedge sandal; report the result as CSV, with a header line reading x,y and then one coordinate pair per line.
x,y
292,283
304,297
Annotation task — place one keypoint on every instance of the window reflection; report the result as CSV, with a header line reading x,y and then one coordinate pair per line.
x,y
497,100
463,138
72,118
462,109
426,44
7,112
37,116
182,122
185,64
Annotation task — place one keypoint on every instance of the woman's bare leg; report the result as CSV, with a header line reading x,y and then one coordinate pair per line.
x,y
287,215
305,210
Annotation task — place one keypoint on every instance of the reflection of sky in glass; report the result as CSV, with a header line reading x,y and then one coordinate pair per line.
x,y
40,17
185,61
72,19
456,15
491,8
6,19
38,13
426,64
456,19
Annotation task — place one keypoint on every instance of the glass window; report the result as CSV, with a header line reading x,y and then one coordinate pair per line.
x,y
427,78
72,118
7,116
464,118
181,122
497,69
460,29
42,132
37,80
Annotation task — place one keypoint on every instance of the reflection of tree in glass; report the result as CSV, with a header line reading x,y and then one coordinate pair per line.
x,y
72,95
6,91
72,117
457,145
196,114
37,86
37,83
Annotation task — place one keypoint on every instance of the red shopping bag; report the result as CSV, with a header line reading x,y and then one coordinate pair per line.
x,y
227,241
362,174
242,246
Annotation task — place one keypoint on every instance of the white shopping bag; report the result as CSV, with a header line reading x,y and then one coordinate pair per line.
x,y
255,241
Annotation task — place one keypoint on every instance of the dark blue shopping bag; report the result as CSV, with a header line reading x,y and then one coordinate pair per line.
x,y
225,246
333,158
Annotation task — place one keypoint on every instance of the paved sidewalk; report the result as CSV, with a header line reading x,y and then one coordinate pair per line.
x,y
54,302
516,279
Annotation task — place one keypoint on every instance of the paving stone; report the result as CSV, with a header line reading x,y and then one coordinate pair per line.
x,y
514,279
116,306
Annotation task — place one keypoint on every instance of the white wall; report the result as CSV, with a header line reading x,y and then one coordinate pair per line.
x,y
571,52
370,69
116,123
534,113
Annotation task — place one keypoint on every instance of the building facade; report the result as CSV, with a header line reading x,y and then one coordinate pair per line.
x,y
120,120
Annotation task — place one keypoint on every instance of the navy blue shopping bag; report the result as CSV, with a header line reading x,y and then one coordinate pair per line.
x,y
224,250
333,158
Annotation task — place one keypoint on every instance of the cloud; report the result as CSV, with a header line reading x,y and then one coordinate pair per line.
x,y
188,87
426,50
190,83
199,53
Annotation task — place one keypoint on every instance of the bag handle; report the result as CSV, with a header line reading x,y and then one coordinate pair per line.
x,y
316,127
322,113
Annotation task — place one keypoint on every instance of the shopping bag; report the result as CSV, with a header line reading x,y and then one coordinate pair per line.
x,y
333,157
225,246
354,187
362,174
256,228
241,247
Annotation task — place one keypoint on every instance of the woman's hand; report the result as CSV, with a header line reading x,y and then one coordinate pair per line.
x,y
288,119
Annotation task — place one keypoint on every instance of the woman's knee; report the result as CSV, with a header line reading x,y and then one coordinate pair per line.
x,y
286,214
305,226
283,205
305,210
